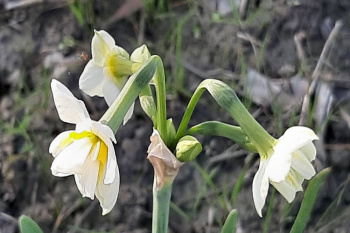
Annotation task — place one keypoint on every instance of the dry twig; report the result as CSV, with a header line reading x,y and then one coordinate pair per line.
x,y
316,74
298,41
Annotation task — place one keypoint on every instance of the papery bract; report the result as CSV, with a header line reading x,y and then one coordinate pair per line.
x,y
165,164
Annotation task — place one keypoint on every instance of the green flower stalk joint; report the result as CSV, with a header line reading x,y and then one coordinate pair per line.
x,y
188,148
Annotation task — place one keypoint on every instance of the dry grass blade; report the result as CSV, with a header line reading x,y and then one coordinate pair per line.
x,y
316,73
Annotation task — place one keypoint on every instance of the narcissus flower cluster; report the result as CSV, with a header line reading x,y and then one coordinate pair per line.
x,y
88,151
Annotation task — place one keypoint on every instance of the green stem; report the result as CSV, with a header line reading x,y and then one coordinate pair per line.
x,y
217,128
161,203
188,113
116,112
159,82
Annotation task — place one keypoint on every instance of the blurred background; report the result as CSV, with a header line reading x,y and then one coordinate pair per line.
x,y
269,51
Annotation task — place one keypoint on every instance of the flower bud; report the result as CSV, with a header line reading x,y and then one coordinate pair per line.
x,y
140,55
188,148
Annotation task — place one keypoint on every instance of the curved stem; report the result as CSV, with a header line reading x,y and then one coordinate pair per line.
x,y
228,100
188,112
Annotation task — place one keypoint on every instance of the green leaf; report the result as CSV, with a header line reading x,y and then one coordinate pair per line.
x,y
309,201
27,225
230,223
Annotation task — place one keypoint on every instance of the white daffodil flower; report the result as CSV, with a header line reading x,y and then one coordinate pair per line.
x,y
108,70
287,167
86,152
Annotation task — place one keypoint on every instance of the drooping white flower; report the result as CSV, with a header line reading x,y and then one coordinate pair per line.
x,y
86,152
287,167
108,70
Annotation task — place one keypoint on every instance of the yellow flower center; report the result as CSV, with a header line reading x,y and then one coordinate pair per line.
x,y
102,150
118,67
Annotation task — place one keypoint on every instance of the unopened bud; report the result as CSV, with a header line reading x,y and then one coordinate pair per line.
x,y
188,148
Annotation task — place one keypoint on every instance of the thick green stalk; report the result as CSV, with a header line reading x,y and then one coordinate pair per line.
x,y
161,203
116,112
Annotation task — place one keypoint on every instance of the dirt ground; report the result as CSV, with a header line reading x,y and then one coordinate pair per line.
x,y
269,51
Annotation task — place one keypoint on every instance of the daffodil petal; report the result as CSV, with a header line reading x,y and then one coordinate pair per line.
x,y
295,138
57,145
110,92
260,187
103,131
302,165
309,150
295,180
101,45
84,125
120,52
94,151
285,190
279,166
111,165
91,80
69,108
77,182
129,113
71,159
107,194
88,178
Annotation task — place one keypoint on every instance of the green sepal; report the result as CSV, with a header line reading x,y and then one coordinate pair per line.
x,y
27,225
216,128
188,148
230,223
171,133
148,105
